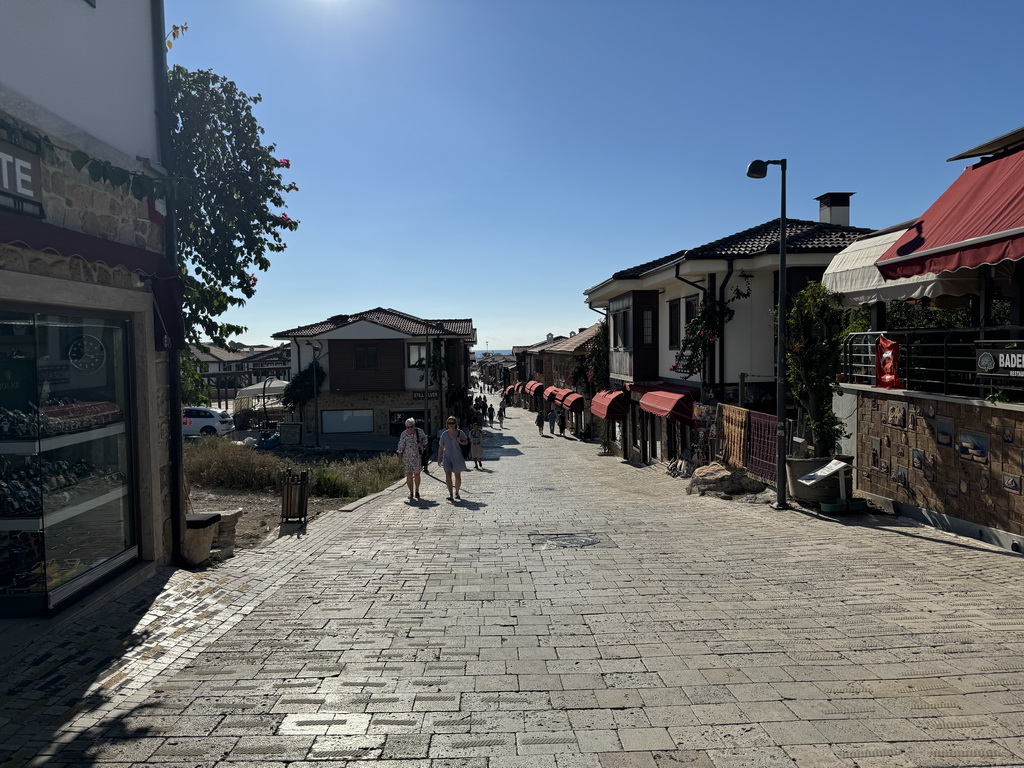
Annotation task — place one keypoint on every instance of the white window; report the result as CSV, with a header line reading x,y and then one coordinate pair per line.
x,y
347,421
417,355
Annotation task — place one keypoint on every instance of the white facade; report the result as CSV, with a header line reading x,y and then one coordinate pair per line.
x,y
44,47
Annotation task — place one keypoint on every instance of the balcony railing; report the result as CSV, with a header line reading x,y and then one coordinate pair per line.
x,y
936,360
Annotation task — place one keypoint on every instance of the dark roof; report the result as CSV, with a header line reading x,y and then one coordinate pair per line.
x,y
282,351
801,237
387,318
577,343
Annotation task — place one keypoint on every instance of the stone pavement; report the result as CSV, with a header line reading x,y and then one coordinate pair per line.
x,y
573,611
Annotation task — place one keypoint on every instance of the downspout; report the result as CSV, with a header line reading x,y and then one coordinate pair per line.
x,y
721,332
176,448
705,292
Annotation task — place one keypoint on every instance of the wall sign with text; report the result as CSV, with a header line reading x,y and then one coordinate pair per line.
x,y
1003,360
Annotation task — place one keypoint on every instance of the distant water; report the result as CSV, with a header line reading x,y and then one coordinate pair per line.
x,y
493,351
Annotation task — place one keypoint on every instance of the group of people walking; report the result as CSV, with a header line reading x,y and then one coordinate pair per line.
x,y
554,417
451,456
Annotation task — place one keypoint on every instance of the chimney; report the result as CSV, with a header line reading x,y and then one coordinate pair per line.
x,y
834,208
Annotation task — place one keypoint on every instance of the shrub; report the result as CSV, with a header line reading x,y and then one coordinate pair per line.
x,y
214,462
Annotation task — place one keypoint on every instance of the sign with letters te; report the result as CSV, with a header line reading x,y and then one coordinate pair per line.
x,y
21,177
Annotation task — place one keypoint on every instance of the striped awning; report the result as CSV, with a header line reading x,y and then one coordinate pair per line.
x,y
610,404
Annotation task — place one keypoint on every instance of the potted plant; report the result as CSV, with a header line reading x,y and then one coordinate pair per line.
x,y
815,329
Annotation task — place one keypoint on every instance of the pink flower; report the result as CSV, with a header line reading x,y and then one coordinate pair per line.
x,y
284,162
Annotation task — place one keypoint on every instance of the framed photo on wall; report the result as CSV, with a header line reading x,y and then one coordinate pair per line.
x,y
944,432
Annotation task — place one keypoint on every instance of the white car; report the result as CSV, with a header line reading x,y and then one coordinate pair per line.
x,y
197,420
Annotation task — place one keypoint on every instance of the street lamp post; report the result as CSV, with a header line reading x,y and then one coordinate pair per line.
x,y
758,169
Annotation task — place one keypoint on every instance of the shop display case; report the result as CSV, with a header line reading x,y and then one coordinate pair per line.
x,y
66,494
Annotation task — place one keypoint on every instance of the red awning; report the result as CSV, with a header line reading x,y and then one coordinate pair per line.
x,y
670,405
533,386
520,386
573,401
550,392
610,404
978,220
561,394
510,389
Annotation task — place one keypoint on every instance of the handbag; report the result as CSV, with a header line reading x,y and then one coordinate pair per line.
x,y
465,448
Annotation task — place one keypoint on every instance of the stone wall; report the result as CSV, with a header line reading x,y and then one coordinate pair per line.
x,y
72,200
961,458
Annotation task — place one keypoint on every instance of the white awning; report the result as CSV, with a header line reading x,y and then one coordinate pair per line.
x,y
853,273
273,388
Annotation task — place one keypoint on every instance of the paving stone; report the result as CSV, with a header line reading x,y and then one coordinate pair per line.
x,y
444,638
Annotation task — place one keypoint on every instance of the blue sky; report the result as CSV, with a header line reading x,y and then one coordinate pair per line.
x,y
492,159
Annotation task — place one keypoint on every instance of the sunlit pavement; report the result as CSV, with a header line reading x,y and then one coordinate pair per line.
x,y
572,611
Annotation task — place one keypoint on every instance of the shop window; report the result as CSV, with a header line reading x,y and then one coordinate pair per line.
x,y
67,515
346,421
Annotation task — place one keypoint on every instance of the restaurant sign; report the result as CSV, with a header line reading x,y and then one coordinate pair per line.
x,y
21,179
1001,360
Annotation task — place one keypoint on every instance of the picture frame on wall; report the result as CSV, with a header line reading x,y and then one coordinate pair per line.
x,y
917,459
973,447
944,432
1008,434
1011,484
897,413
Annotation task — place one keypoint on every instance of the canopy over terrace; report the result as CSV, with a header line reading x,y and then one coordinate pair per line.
x,y
572,401
853,273
979,220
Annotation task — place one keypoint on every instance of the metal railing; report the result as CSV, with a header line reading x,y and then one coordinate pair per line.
x,y
936,360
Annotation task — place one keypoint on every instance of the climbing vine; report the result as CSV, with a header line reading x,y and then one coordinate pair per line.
x,y
704,330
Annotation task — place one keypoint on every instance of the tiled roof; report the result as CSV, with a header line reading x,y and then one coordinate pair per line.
x,y
801,237
387,318
217,354
577,343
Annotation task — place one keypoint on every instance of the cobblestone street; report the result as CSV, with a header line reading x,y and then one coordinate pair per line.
x,y
573,611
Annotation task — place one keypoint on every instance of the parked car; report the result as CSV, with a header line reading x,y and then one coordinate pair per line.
x,y
197,420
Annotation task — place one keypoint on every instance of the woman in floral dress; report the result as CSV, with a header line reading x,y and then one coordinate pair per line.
x,y
410,450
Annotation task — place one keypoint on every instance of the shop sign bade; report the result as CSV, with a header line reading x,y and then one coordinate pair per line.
x,y
21,186
1005,360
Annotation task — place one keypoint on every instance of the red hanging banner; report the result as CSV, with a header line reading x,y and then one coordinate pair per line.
x,y
887,363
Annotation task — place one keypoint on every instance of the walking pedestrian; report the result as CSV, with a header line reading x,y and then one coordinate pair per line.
x,y
476,445
411,443
449,455
551,420
490,415
561,423
501,416
540,423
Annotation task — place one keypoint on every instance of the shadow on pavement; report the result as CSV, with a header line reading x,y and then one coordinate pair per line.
x,y
82,659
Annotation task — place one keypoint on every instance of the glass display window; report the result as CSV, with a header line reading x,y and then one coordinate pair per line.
x,y
67,510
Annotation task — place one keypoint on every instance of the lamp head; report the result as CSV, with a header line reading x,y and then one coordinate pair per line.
x,y
757,169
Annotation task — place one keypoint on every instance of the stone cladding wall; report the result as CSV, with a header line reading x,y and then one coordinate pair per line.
x,y
931,453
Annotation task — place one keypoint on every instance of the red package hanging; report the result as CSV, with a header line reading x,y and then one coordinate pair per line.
x,y
887,363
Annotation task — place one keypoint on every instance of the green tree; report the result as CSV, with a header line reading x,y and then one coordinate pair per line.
x,y
301,389
815,327
228,197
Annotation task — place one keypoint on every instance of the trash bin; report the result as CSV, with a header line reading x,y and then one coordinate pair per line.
x,y
294,496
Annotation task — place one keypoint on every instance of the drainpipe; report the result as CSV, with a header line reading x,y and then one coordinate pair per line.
x,y
706,292
175,449
721,333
